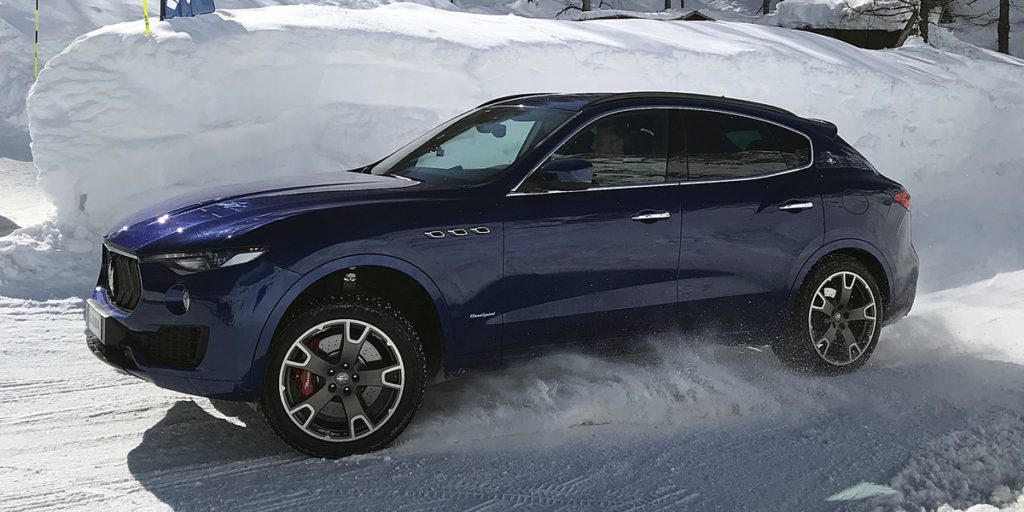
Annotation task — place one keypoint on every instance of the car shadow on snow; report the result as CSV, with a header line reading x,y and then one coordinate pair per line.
x,y
724,433
188,436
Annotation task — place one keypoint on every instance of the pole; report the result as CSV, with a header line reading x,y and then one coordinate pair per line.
x,y
145,14
35,49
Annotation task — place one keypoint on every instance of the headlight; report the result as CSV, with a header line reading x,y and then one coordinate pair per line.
x,y
191,262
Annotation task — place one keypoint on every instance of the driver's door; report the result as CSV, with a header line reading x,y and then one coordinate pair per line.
x,y
598,263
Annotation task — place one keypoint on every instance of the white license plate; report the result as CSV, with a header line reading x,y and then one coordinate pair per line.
x,y
95,318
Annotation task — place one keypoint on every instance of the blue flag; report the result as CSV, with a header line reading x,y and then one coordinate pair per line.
x,y
175,8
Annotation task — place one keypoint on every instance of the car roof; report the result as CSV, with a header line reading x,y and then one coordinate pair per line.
x,y
583,101
573,102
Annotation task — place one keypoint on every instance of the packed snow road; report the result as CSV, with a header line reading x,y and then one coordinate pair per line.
x,y
935,418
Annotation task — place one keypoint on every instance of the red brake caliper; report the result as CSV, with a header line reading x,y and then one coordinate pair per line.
x,y
307,381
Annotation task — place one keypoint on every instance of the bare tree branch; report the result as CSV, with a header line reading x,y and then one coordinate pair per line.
x,y
582,5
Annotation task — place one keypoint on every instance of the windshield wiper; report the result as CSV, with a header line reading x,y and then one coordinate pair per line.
x,y
403,178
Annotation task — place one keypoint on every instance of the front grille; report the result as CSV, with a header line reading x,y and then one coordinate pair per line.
x,y
124,282
171,346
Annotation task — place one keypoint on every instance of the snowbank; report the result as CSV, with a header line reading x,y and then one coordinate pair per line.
x,y
63,20
120,120
981,31
976,464
60,22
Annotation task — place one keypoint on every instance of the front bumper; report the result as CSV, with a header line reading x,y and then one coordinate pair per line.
x,y
121,358
207,350
114,355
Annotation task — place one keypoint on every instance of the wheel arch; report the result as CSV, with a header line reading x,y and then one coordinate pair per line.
x,y
380,265
862,251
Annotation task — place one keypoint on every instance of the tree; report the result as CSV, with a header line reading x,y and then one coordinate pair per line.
x,y
1003,28
580,5
950,12
921,10
924,16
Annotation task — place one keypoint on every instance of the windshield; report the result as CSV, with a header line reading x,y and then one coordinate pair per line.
x,y
474,147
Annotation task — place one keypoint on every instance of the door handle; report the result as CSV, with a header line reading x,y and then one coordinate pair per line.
x,y
795,207
649,216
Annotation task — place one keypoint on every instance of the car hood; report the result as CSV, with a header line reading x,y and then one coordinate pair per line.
x,y
215,216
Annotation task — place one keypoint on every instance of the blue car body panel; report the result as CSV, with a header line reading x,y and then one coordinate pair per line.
x,y
568,265
541,271
741,253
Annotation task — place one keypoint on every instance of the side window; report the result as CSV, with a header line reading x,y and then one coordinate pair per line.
x,y
724,146
625,149
795,148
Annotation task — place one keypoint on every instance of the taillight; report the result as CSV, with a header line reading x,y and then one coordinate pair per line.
x,y
903,198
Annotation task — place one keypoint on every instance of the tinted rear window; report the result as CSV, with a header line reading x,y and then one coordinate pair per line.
x,y
728,146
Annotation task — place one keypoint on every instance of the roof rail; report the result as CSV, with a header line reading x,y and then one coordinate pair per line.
x,y
687,96
509,97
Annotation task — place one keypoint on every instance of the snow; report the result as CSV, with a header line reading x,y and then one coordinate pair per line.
x,y
60,22
969,465
688,427
982,30
558,8
844,14
20,200
43,261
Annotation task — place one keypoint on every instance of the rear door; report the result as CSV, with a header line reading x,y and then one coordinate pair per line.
x,y
751,215
599,263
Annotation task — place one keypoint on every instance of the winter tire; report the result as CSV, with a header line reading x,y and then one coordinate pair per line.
x,y
834,326
343,376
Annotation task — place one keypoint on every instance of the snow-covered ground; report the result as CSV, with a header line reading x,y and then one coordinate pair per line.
x,y
934,421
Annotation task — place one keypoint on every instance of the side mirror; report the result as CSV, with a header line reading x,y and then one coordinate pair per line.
x,y
567,174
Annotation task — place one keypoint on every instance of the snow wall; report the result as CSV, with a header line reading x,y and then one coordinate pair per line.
x,y
123,120
60,22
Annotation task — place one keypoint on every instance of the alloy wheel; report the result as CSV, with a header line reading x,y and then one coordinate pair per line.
x,y
842,318
341,380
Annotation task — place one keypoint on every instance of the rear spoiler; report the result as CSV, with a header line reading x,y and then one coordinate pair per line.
x,y
823,127
509,98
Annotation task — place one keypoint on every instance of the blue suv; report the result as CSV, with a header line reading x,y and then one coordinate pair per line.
x,y
532,223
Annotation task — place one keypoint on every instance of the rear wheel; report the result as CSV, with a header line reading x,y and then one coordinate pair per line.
x,y
836,320
343,377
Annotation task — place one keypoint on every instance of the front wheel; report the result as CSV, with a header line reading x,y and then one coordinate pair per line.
x,y
343,377
836,320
